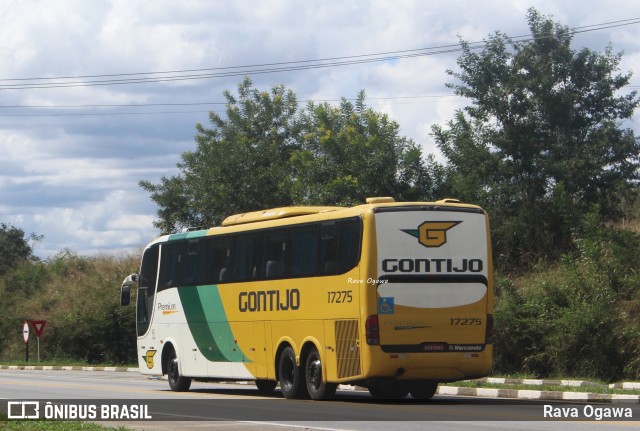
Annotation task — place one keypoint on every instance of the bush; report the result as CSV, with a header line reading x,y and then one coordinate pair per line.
x,y
578,317
79,299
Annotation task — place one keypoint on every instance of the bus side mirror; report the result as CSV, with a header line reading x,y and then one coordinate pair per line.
x,y
125,289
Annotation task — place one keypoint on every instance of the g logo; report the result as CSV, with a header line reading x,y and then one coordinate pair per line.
x,y
432,233
148,358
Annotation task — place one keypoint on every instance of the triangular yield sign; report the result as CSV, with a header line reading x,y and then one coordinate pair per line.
x,y
38,326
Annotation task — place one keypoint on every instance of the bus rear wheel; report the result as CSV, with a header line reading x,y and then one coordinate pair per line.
x,y
424,390
177,383
290,375
317,388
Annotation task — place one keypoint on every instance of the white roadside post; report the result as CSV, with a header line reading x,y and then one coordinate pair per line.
x,y
25,337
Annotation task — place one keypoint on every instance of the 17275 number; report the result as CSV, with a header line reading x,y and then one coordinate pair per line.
x,y
466,322
339,296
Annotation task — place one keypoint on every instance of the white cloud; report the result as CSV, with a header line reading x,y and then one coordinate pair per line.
x,y
103,226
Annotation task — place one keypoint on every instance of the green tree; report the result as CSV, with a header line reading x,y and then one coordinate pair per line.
x,y
241,162
543,141
267,153
351,152
14,247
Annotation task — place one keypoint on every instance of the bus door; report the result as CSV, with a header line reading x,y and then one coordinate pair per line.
x,y
144,311
433,269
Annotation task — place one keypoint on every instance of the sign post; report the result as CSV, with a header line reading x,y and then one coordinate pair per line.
x,y
25,337
38,326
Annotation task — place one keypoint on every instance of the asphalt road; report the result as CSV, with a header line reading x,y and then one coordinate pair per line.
x,y
240,407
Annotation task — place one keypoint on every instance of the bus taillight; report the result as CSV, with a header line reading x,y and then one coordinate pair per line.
x,y
489,331
372,328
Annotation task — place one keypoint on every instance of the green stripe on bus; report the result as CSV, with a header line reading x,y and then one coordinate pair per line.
x,y
208,324
187,235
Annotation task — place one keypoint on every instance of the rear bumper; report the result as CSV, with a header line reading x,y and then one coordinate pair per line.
x,y
440,366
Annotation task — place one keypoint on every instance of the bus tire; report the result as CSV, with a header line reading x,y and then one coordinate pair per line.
x,y
424,390
313,374
290,375
388,391
177,383
266,386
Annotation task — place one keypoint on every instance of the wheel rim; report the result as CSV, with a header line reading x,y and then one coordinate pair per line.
x,y
288,373
173,370
314,372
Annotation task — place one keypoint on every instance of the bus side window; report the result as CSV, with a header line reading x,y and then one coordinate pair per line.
x,y
302,251
273,254
328,249
349,244
208,274
171,265
193,267
245,260
218,260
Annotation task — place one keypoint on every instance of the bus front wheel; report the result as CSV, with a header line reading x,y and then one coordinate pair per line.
x,y
290,375
317,388
177,383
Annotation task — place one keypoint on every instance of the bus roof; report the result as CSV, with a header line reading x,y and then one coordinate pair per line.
x,y
295,211
237,222
275,213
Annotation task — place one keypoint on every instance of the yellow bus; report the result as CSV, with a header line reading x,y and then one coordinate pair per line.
x,y
394,297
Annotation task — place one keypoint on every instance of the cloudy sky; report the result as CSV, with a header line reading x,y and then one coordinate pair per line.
x,y
71,155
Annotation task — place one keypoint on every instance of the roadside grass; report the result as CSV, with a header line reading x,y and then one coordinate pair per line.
x,y
62,363
29,425
596,388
